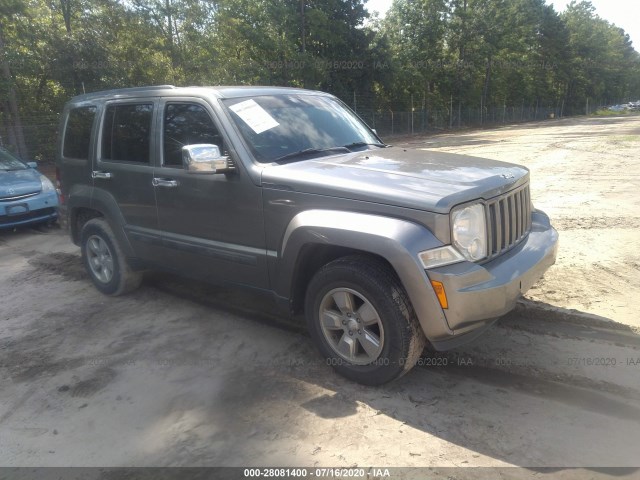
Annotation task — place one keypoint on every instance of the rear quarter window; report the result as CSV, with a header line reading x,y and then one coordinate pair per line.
x,y
77,134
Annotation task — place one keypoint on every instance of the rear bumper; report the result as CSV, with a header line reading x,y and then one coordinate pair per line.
x,y
37,209
479,294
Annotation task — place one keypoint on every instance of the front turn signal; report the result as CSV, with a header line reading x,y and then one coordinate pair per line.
x,y
438,287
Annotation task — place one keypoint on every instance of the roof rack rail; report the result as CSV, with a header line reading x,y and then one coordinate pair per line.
x,y
124,91
150,87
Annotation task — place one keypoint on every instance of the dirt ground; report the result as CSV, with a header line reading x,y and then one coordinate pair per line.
x,y
184,374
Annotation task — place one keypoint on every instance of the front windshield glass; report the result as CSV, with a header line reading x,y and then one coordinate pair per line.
x,y
9,162
295,127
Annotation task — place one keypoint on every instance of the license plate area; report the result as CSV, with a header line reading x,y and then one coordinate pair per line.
x,y
18,209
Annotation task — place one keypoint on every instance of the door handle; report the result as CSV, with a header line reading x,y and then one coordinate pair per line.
x,y
164,182
99,174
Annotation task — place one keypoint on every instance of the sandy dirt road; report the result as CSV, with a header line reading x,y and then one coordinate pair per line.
x,y
184,374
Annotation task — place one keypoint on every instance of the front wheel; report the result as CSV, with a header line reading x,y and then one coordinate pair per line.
x,y
362,321
105,261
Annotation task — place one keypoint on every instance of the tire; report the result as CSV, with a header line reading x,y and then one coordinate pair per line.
x,y
362,321
104,260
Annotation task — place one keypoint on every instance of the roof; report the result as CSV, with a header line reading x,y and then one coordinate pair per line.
x,y
170,90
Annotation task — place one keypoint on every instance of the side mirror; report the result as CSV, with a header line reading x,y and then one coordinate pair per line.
x,y
32,164
205,158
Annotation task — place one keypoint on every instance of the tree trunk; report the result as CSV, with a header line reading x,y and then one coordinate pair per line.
x,y
7,126
487,82
461,59
12,100
65,6
171,40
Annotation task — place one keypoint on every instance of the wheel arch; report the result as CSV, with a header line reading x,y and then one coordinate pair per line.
x,y
314,256
99,204
78,217
316,237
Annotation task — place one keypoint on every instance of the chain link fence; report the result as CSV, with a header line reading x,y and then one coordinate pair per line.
x,y
425,120
40,131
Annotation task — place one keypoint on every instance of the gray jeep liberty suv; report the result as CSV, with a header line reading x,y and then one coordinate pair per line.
x,y
383,249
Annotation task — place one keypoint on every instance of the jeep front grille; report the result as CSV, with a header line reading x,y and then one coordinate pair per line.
x,y
508,220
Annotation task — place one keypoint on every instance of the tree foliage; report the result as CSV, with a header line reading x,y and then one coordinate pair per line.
x,y
425,53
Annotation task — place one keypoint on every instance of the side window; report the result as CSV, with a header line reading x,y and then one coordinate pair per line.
x,y
126,133
77,135
186,124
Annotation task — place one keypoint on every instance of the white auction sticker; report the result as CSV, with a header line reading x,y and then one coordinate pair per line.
x,y
255,116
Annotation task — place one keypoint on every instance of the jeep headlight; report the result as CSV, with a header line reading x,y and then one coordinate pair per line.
x,y
469,231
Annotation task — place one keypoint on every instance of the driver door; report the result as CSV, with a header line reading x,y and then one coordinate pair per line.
x,y
211,224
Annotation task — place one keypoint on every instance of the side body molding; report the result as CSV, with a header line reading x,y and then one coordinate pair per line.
x,y
398,241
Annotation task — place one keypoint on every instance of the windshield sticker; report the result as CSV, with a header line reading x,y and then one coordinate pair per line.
x,y
255,116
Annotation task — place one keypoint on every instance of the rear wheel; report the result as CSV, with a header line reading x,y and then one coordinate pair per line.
x,y
105,261
362,321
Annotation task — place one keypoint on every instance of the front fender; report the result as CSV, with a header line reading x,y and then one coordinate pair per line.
x,y
398,241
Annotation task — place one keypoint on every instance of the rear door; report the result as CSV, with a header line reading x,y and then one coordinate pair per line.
x,y
212,224
123,171
77,153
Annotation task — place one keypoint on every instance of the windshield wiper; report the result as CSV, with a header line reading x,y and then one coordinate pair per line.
x,y
365,144
310,151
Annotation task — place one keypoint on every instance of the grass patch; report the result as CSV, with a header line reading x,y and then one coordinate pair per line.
x,y
610,113
626,138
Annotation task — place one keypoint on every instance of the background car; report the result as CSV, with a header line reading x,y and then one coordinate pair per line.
x,y
26,196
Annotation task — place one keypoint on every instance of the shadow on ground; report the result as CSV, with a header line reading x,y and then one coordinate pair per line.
x,y
519,394
490,389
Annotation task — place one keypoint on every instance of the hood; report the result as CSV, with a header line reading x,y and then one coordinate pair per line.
x,y
19,182
420,179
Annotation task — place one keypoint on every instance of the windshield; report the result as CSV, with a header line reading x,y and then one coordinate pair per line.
x,y
9,162
288,127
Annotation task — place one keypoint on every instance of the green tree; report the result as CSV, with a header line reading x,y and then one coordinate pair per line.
x,y
416,31
9,109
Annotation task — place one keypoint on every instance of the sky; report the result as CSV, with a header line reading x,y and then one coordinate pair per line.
x,y
623,13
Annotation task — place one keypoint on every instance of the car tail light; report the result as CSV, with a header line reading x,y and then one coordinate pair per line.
x,y
59,187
